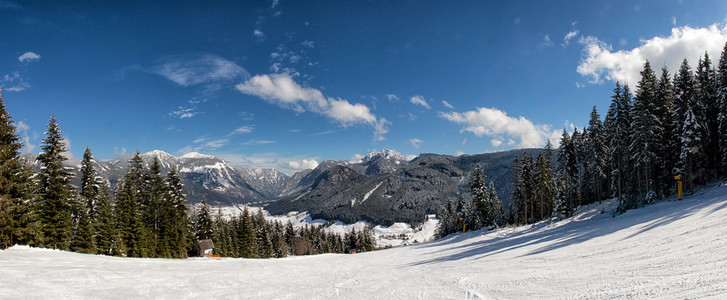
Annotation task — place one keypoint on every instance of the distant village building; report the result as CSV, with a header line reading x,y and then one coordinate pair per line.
x,y
205,247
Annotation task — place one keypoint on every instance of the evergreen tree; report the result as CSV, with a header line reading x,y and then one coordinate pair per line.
x,y
105,222
567,198
647,131
496,215
204,222
544,179
128,209
153,192
16,213
55,189
89,187
687,118
668,143
597,159
706,93
722,112
479,199
174,227
619,120
248,244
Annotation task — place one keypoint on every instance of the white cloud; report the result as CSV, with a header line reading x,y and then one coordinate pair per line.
x,y
188,70
419,100
416,143
22,128
599,61
546,42
357,158
258,34
301,165
244,129
29,57
258,142
410,157
184,112
570,35
491,121
282,90
347,113
674,20
308,44
459,153
13,82
496,143
392,97
380,129
447,105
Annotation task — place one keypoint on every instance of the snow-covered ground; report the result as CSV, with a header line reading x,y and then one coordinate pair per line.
x,y
672,249
397,234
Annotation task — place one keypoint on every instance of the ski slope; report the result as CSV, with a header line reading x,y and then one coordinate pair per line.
x,y
672,249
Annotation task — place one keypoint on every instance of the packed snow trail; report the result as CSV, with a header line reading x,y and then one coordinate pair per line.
x,y
672,249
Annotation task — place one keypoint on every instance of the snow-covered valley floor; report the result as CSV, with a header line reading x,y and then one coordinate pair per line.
x,y
672,249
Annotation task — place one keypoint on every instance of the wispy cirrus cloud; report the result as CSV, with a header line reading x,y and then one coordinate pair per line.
x,y
282,90
198,69
14,82
600,61
419,100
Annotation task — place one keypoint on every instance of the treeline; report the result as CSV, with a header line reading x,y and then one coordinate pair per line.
x,y
480,208
671,124
145,216
252,236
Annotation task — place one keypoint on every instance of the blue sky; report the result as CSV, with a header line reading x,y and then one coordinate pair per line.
x,y
288,84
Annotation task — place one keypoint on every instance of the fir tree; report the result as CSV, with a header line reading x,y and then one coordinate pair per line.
x,y
668,142
722,108
204,222
687,116
647,131
153,192
246,234
174,226
55,189
597,158
105,222
706,93
128,210
479,199
16,199
567,198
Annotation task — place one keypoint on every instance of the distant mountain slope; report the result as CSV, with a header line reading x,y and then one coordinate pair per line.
x,y
406,193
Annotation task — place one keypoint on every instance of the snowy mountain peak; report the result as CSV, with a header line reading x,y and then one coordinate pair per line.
x,y
388,154
159,154
196,155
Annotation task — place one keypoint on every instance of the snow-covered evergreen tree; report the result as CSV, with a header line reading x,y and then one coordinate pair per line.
x,y
688,114
646,132
597,159
204,222
706,93
128,209
174,227
55,189
722,106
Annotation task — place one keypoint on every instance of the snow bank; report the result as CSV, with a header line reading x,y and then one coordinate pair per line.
x,y
672,249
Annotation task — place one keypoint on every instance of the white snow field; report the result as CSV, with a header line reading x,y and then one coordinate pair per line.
x,y
672,249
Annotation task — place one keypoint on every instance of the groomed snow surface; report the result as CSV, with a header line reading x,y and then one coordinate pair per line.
x,y
672,249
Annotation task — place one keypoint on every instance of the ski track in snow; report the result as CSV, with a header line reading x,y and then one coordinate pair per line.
x,y
672,249
367,195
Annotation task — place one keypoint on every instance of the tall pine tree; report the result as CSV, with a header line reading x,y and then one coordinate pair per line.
x,y
55,189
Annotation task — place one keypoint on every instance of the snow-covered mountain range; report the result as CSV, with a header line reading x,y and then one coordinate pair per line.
x,y
383,187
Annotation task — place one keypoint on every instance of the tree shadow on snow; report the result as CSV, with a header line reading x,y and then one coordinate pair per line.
x,y
544,238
